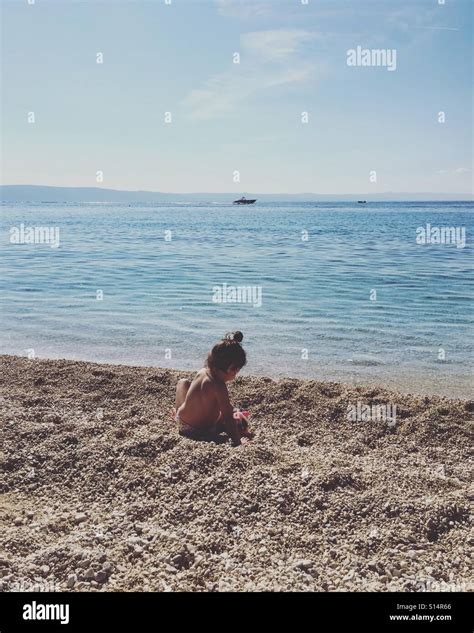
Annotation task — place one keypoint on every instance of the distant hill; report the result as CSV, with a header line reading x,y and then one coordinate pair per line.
x,y
39,193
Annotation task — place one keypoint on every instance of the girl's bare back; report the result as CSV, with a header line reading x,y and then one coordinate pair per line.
x,y
200,407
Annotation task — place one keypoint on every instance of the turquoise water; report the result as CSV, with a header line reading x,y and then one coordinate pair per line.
x,y
315,293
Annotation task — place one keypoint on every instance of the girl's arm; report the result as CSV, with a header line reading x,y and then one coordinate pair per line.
x,y
227,413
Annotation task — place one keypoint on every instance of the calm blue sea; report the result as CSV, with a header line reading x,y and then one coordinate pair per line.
x,y
156,267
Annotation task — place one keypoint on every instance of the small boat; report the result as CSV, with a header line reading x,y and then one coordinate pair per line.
x,y
244,201
361,201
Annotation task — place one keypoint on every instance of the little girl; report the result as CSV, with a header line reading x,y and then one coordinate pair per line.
x,y
203,408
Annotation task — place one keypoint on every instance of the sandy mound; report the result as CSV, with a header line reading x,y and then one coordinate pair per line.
x,y
100,493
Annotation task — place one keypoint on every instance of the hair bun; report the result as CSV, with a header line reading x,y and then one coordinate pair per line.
x,y
234,337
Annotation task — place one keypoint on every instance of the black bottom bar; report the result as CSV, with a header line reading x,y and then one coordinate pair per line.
x,y
235,613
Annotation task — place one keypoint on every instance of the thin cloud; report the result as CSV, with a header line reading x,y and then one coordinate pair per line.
x,y
458,170
243,9
438,28
269,59
274,46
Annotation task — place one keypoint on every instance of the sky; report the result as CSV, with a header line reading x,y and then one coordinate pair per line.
x,y
236,78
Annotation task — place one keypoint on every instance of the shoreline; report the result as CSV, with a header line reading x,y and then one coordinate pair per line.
x,y
386,384
100,493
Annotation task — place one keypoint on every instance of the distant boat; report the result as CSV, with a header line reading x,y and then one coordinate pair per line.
x,y
244,201
362,201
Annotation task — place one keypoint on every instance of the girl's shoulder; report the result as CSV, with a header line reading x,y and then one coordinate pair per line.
x,y
207,381
203,377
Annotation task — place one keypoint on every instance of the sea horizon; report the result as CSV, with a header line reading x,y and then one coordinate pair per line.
x,y
18,191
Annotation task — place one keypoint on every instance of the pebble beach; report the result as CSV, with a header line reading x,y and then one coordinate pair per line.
x,y
100,493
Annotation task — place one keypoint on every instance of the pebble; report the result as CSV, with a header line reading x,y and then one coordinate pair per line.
x,y
80,517
71,581
18,521
303,564
45,569
101,576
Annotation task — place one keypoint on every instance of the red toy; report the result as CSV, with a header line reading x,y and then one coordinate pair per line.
x,y
242,418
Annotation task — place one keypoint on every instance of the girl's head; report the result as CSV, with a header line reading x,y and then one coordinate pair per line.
x,y
227,357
